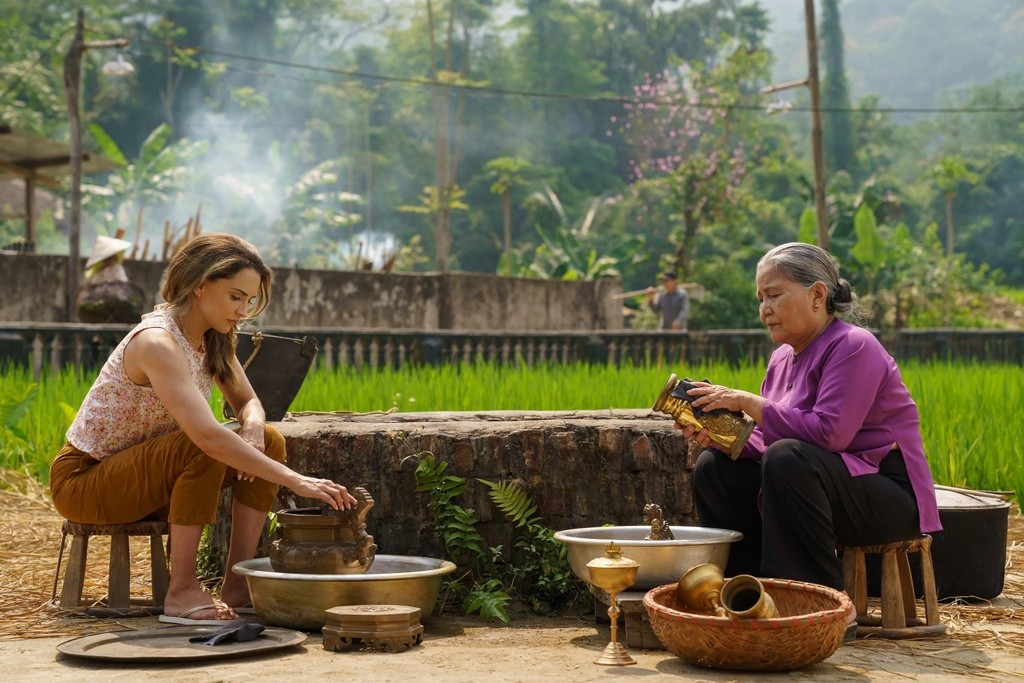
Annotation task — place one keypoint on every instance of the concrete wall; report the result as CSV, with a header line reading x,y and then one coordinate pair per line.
x,y
33,291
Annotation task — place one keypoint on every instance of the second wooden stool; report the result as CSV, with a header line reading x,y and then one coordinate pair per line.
x,y
899,604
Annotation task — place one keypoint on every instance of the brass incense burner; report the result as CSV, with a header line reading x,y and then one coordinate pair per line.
x,y
325,541
613,574
703,589
728,429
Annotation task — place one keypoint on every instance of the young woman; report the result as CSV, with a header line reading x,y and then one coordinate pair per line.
x,y
145,443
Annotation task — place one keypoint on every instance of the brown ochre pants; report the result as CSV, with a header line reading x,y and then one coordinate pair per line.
x,y
166,476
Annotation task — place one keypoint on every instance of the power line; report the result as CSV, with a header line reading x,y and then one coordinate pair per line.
x,y
534,94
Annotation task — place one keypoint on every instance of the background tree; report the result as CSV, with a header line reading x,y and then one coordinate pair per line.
x,y
948,174
508,174
840,152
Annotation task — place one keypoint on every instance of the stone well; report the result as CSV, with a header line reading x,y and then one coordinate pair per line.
x,y
582,468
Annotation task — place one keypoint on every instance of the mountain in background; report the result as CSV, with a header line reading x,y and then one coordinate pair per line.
x,y
909,52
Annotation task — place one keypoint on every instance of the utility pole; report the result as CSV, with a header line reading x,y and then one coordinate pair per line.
x,y
72,78
817,147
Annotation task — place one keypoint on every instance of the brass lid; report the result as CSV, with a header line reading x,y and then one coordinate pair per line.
x,y
612,559
367,616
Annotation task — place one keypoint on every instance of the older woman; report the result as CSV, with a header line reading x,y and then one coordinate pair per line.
x,y
836,456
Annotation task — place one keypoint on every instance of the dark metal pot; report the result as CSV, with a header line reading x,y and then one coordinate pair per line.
x,y
969,554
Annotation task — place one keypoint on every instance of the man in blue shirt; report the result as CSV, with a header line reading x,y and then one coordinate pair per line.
x,y
672,303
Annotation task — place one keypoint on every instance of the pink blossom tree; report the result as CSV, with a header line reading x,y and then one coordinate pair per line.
x,y
685,125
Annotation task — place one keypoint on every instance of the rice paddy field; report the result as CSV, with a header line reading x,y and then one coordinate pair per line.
x,y
970,413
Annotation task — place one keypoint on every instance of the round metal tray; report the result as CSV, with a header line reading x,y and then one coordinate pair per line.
x,y
171,644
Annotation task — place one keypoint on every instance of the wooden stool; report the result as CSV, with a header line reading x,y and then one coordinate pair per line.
x,y
899,605
118,600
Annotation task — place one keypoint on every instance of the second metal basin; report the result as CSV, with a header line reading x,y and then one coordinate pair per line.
x,y
660,562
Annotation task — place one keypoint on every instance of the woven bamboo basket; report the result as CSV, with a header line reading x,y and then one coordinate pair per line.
x,y
809,629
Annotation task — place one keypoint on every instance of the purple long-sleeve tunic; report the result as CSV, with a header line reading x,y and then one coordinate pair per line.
x,y
844,393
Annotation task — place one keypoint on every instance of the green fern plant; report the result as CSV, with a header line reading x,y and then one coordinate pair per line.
x,y
462,542
517,505
489,600
539,567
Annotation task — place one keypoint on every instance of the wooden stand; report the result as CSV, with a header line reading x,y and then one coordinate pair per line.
x,y
388,628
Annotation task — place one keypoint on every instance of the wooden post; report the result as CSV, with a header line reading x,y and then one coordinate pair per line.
x,y
72,75
817,148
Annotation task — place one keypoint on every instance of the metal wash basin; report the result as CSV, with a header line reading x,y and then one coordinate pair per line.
x,y
300,600
661,562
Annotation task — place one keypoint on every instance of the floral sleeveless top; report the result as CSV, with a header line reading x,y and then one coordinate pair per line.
x,y
117,413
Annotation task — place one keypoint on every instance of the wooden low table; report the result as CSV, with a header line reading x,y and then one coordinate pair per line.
x,y
389,628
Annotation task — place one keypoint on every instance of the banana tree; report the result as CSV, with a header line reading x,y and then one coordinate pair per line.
x,y
158,176
574,250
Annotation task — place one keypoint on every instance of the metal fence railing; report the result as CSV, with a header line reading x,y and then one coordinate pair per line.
x,y
44,346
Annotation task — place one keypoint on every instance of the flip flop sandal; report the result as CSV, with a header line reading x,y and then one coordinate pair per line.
x,y
851,633
184,620
245,609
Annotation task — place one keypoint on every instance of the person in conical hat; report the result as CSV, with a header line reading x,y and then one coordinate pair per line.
x,y
105,294
106,249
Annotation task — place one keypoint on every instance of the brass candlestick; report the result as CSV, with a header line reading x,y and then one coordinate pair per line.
x,y
613,574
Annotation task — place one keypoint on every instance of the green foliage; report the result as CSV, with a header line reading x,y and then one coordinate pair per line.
x,y
575,249
13,407
456,524
983,452
807,230
539,565
904,282
838,138
157,177
33,418
462,542
538,572
488,600
315,228
514,502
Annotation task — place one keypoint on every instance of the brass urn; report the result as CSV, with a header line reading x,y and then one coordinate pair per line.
x,y
700,589
325,541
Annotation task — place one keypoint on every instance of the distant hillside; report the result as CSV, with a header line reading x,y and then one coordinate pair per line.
x,y
909,51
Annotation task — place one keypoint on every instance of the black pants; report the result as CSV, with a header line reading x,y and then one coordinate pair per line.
x,y
809,503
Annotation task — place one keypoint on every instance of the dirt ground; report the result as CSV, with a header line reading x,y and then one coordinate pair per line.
x,y
984,642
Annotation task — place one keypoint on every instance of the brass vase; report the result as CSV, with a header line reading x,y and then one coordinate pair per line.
x,y
744,597
728,429
704,589
700,589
